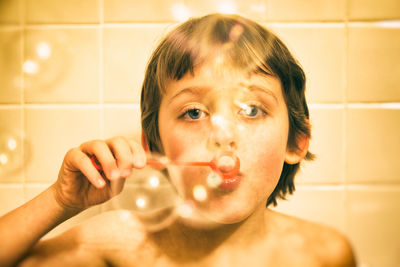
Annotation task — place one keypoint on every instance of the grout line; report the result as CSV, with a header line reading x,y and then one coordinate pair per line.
x,y
73,106
326,106
389,105
138,24
22,100
391,24
344,122
101,76
336,24
101,69
284,24
61,26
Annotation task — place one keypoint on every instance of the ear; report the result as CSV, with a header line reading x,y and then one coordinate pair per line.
x,y
295,155
145,144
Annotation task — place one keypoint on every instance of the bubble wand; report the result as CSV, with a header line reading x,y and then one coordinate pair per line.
x,y
226,166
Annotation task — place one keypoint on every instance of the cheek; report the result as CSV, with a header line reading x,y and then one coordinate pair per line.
x,y
183,144
264,155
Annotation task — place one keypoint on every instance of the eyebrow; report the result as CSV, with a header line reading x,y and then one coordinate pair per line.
x,y
198,90
193,90
262,89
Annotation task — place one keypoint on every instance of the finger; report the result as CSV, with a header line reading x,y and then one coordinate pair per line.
x,y
81,162
104,156
117,186
139,155
120,147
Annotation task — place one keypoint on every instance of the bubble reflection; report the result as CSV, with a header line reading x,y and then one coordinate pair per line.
x,y
11,153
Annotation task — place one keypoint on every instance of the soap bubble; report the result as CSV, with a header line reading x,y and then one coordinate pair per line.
x,y
46,60
11,153
150,196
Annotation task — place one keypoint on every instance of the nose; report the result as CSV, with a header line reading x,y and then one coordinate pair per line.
x,y
223,133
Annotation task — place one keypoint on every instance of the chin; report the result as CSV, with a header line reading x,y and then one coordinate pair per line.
x,y
214,217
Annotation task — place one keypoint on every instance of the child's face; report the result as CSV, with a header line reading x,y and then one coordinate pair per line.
x,y
208,113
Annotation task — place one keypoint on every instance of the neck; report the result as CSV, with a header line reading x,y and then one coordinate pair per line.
x,y
183,243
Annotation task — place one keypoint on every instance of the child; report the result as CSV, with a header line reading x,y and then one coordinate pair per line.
x,y
189,81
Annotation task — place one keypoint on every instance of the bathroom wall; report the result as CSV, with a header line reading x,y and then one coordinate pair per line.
x,y
71,71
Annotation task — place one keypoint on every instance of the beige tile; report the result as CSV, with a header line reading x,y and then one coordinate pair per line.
x,y
52,132
139,11
126,52
311,10
61,65
370,9
10,11
10,65
11,196
321,204
32,190
373,145
253,9
373,224
122,121
327,143
71,11
374,64
11,145
321,52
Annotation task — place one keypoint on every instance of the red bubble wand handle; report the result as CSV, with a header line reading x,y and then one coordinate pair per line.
x,y
226,166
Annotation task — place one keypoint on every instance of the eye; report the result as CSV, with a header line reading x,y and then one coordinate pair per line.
x,y
252,111
193,114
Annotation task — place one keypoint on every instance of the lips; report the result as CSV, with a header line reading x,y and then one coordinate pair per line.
x,y
227,166
229,184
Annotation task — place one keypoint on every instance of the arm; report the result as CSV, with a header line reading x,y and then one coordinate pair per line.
x,y
79,186
24,226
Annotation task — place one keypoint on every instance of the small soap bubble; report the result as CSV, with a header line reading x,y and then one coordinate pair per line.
x,y
154,181
185,210
199,193
11,154
141,202
213,180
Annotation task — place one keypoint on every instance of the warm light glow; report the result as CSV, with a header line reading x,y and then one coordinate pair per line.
x,y
246,108
180,12
213,180
226,161
185,210
43,50
3,159
199,193
30,67
154,181
12,144
227,8
218,120
141,202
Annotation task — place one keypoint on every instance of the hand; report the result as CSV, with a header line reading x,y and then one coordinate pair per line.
x,y
80,185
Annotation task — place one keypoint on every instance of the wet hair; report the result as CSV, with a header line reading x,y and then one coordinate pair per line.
x,y
247,46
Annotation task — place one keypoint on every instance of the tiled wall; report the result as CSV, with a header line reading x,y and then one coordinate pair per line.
x,y
84,84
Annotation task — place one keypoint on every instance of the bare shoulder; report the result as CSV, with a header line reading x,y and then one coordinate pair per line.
x,y
326,245
88,243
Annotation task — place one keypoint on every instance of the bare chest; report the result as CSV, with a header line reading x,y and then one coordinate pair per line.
x,y
148,256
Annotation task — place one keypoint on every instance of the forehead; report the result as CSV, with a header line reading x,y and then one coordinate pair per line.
x,y
209,77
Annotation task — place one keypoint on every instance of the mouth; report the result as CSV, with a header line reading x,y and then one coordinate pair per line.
x,y
230,183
